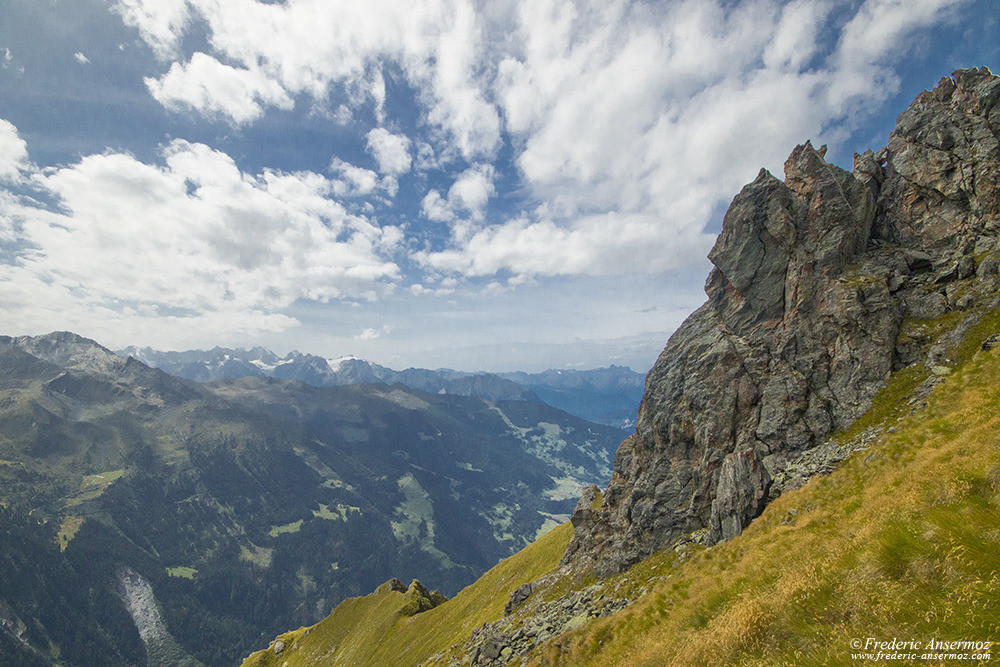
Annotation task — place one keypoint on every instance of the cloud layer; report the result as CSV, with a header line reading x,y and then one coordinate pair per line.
x,y
193,241
477,148
629,122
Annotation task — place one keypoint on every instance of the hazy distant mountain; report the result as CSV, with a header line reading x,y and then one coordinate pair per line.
x,y
604,395
223,363
607,396
225,511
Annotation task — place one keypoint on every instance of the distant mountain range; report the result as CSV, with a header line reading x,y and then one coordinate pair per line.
x,y
149,519
605,395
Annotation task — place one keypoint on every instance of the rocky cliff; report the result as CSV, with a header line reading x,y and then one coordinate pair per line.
x,y
823,285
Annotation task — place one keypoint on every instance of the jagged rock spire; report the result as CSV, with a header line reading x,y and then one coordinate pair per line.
x,y
813,278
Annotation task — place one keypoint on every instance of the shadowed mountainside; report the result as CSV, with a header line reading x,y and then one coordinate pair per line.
x,y
226,509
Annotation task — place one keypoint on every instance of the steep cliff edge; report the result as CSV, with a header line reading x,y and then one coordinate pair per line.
x,y
823,285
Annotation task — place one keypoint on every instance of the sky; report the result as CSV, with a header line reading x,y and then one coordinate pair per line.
x,y
503,185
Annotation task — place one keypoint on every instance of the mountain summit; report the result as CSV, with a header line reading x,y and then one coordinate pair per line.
x,y
823,285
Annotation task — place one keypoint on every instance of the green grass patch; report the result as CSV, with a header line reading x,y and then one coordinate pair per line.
x,y
889,404
370,630
67,530
182,572
259,556
92,486
293,527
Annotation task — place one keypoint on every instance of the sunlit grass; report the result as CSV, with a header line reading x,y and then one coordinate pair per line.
x,y
292,527
182,571
902,541
371,630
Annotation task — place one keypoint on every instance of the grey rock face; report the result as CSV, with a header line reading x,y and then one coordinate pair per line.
x,y
740,495
814,278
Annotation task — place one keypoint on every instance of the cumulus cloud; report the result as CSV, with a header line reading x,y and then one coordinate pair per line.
x,y
161,23
194,242
635,122
353,181
391,151
465,201
313,48
212,88
80,58
524,247
373,334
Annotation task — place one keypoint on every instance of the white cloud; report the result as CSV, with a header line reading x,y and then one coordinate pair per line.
x,y
465,202
13,152
460,104
635,122
161,23
342,115
795,38
314,48
544,248
80,58
435,207
191,244
878,31
208,86
391,151
353,181
473,189
373,334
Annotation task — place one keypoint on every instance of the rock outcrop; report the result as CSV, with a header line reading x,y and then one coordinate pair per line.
x,y
817,283
500,642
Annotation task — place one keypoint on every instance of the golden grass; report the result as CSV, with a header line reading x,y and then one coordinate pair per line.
x,y
901,541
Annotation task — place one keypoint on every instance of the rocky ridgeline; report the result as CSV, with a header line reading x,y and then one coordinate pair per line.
x,y
819,289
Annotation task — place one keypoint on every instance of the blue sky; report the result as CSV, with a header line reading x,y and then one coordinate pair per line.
x,y
517,184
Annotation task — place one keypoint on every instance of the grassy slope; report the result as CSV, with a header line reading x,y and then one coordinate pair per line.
x,y
901,541
369,630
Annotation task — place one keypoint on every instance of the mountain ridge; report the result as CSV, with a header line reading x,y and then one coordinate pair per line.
x,y
847,312
607,396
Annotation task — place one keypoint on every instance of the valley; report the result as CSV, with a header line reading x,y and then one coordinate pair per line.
x,y
238,504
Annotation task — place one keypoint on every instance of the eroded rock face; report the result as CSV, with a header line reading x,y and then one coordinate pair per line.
x,y
814,277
